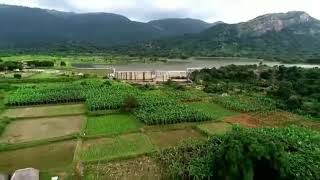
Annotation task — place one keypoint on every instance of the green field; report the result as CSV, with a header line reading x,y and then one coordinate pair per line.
x,y
213,110
113,148
216,128
45,157
112,124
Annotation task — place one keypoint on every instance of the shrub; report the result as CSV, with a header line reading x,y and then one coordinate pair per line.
x,y
62,63
267,153
17,76
129,104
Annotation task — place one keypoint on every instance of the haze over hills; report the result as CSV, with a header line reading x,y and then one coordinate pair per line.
x,y
293,35
33,27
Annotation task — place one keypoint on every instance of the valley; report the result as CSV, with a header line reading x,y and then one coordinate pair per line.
x,y
97,95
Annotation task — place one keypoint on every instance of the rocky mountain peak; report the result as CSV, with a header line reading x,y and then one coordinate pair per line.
x,y
275,22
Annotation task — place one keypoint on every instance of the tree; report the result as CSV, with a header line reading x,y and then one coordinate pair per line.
x,y
294,102
17,76
63,64
129,104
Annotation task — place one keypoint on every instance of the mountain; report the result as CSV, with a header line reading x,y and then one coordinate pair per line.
x,y
176,26
286,36
32,27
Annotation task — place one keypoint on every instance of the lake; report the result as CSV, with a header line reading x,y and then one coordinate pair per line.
x,y
182,65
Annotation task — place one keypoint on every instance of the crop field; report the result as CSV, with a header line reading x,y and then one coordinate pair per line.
x,y
45,157
45,111
215,128
137,168
117,127
213,110
112,124
113,148
42,128
246,103
166,139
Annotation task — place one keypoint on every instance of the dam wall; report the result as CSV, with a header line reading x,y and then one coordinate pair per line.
x,y
155,76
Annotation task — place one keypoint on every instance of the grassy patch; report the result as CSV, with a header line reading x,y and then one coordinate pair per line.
x,y
45,111
137,168
112,124
166,139
214,111
246,103
45,157
216,128
43,128
114,148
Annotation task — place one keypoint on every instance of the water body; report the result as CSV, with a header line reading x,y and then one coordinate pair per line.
x,y
182,65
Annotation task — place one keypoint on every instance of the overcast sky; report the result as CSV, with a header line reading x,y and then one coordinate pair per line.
x,y
230,11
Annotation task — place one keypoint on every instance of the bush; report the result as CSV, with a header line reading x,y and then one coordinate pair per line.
x,y
63,63
267,153
129,104
17,76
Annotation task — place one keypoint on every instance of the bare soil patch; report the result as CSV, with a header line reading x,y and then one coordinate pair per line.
x,y
166,139
244,120
45,111
45,157
282,118
42,128
138,168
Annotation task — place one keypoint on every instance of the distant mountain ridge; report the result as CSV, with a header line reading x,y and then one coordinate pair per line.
x,y
34,27
293,35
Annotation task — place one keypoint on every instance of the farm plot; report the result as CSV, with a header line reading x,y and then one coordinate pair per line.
x,y
137,168
42,128
112,124
165,139
157,109
246,103
45,111
215,128
114,148
45,157
214,111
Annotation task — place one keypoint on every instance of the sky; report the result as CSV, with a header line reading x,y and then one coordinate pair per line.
x,y
229,11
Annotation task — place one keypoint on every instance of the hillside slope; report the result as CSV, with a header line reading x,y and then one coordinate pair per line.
x,y
31,28
292,35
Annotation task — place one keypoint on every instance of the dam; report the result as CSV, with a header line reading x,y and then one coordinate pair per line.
x,y
152,76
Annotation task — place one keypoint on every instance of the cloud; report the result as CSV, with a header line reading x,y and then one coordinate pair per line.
x,y
230,11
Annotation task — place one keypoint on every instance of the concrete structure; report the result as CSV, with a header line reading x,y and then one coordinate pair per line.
x,y
26,174
153,76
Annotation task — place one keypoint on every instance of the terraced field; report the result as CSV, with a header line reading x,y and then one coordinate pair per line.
x,y
63,137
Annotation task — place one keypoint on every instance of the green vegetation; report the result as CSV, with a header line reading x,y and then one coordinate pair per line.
x,y
243,103
288,88
44,157
212,110
112,124
214,128
114,148
272,153
169,114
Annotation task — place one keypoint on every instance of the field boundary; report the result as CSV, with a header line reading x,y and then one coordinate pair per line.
x,y
53,116
44,105
23,145
98,136
107,160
